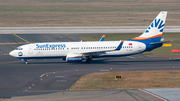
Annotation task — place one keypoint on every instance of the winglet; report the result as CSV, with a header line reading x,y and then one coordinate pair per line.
x,y
120,45
102,38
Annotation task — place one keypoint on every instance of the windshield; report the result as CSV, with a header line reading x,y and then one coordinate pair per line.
x,y
19,48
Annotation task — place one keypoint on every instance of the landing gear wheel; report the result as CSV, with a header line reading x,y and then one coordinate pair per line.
x,y
26,62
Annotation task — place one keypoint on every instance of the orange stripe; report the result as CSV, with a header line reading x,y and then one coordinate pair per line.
x,y
142,38
75,56
103,36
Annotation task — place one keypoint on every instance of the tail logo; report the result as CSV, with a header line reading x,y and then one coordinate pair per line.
x,y
156,24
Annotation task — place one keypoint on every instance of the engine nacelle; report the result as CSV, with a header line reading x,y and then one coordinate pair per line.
x,y
74,57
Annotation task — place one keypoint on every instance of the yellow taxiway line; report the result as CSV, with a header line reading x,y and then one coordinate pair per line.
x,y
10,43
14,61
21,38
9,62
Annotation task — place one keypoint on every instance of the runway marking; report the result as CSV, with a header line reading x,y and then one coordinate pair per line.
x,y
44,74
19,43
10,43
14,61
130,57
153,94
104,70
10,62
21,38
61,80
59,76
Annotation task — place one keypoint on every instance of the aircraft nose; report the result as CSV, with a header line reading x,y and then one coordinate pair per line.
x,y
12,53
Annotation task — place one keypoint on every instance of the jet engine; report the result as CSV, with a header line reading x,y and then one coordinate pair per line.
x,y
74,57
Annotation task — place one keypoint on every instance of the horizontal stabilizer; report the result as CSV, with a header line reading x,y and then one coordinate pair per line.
x,y
155,43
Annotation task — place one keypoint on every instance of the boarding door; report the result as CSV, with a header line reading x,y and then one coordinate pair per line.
x,y
30,49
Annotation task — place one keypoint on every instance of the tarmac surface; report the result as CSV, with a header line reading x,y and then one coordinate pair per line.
x,y
82,30
50,79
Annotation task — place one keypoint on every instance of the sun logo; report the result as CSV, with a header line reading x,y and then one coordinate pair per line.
x,y
20,54
156,24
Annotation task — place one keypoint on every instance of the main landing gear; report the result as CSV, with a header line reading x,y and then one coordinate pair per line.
x,y
89,60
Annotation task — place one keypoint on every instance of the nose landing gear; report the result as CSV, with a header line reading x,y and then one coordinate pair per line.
x,y
25,60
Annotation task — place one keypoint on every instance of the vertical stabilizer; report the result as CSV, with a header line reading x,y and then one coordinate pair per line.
x,y
155,29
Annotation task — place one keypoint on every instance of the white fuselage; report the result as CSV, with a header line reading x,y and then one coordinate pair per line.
x,y
62,49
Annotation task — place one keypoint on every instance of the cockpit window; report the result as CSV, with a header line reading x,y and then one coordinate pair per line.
x,y
18,48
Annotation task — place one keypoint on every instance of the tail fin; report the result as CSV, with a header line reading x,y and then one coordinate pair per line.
x,y
155,29
102,38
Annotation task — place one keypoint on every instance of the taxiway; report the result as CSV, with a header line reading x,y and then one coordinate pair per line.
x,y
43,79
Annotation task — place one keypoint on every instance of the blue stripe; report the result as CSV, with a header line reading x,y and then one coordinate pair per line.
x,y
102,39
98,56
147,42
74,59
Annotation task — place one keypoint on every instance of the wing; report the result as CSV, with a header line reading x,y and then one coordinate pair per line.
x,y
103,52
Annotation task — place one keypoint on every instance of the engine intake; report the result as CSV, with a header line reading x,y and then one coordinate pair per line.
x,y
74,58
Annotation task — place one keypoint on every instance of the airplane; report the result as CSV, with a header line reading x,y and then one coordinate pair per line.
x,y
79,51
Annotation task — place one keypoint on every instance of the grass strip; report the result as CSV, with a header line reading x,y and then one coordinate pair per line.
x,y
42,13
130,80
